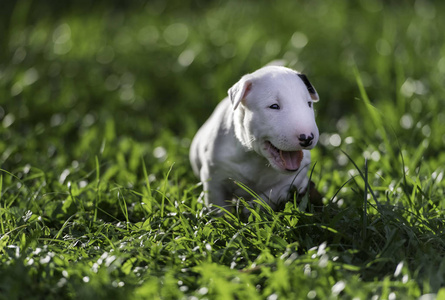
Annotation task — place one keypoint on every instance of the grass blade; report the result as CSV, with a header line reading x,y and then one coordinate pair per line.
x,y
365,203
373,113
364,179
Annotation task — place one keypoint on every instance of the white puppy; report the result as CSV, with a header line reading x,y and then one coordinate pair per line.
x,y
260,136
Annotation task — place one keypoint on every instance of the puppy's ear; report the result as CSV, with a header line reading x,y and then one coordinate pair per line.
x,y
239,91
310,87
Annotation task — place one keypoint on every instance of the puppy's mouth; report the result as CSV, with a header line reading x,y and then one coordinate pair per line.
x,y
286,160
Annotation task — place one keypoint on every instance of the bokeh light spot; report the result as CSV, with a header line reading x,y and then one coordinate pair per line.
x,y
148,35
335,140
8,120
62,39
406,121
176,34
31,76
186,57
299,40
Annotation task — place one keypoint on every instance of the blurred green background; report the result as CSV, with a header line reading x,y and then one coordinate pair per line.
x,y
79,76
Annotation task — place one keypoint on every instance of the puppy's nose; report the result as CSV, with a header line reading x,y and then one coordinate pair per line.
x,y
306,140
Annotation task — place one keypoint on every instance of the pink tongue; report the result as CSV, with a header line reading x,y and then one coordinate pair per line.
x,y
291,159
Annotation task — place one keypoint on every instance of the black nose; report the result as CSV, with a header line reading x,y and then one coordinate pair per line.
x,y
306,141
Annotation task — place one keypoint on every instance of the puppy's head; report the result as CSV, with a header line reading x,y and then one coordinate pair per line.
x,y
274,115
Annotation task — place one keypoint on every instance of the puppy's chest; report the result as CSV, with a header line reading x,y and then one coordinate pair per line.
x,y
258,177
266,187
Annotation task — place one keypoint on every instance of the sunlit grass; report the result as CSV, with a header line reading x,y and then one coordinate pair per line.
x,y
97,109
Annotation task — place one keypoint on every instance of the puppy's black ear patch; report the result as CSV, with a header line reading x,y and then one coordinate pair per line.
x,y
309,87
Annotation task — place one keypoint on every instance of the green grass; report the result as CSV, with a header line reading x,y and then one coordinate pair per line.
x,y
98,104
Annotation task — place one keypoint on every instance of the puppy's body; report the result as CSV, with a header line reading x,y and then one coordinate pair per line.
x,y
260,136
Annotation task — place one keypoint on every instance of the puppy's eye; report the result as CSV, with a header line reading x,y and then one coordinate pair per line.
x,y
309,103
274,106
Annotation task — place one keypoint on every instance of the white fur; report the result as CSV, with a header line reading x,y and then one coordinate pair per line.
x,y
232,145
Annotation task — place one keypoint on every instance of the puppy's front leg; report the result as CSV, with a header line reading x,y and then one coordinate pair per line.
x,y
215,193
